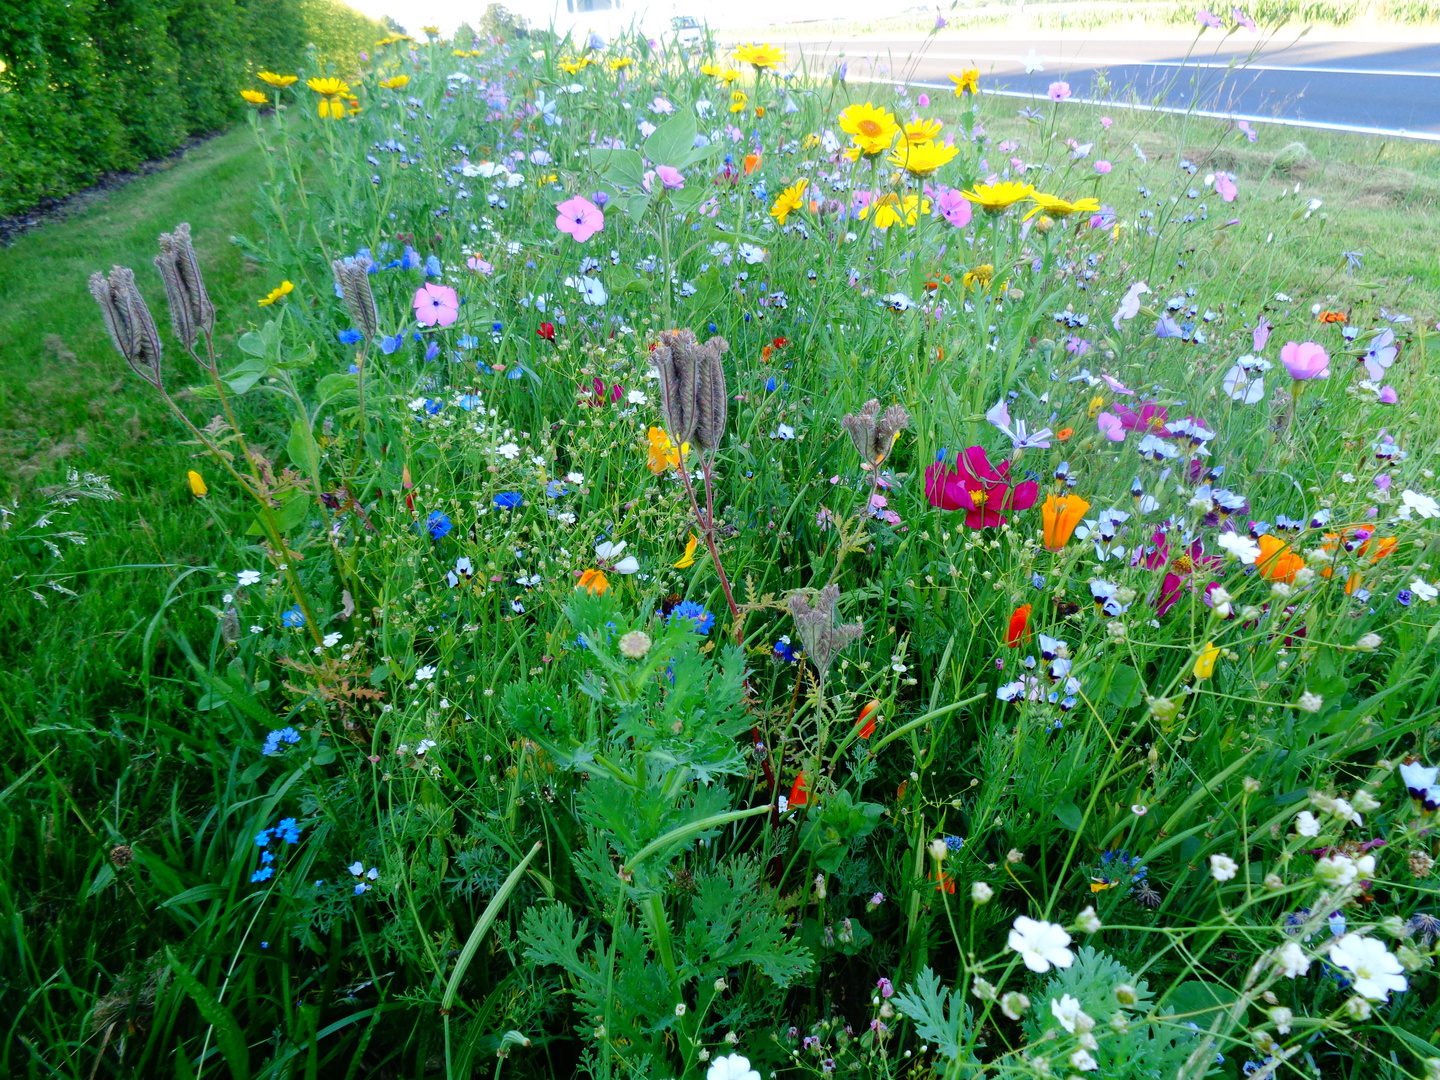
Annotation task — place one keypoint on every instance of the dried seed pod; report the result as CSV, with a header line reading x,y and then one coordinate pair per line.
x,y
675,360
189,284
352,275
182,319
128,320
861,428
712,397
816,628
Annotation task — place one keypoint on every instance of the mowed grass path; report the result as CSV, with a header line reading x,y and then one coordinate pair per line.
x,y
67,400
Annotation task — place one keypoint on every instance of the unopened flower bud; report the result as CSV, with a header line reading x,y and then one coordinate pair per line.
x,y
1125,994
1088,921
981,893
1014,1004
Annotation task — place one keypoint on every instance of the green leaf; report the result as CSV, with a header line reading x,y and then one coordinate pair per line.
x,y
102,880
624,168
228,1036
340,384
1070,815
673,141
938,1018
303,451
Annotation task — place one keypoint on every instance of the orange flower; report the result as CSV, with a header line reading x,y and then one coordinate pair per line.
x,y
765,352
760,112
1064,434
799,791
1332,316
593,582
867,717
663,453
752,162
943,881
1277,562
1352,583
1018,631
1060,514
1384,546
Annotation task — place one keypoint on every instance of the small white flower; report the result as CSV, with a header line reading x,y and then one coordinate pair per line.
x,y
1375,969
425,745
1281,1017
332,639
1067,1010
751,254
1337,870
1423,590
1084,1061
731,1067
1088,921
1014,1004
1223,867
1310,703
1307,824
1420,504
1241,546
252,577
575,477
508,450
1040,944
1139,809
608,551
636,397
424,673
1291,960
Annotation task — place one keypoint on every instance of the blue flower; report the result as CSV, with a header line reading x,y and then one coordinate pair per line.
x,y
350,337
508,500
468,402
555,489
468,341
954,843
275,738
265,873
771,384
293,617
288,830
689,611
497,327
262,838
389,344
515,373
432,406
785,651
432,267
410,259
438,525
432,350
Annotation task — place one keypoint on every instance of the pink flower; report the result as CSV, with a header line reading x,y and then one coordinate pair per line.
x,y
1105,122
669,176
436,304
479,265
978,488
1383,481
1238,14
1058,91
1249,132
1388,396
579,217
923,101
1103,167
1305,360
1262,333
953,207
1150,417
1116,385
1205,18
1225,186
1111,427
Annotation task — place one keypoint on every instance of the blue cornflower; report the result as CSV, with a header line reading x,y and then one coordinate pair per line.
x,y
508,500
771,384
785,651
293,617
954,843
689,611
410,259
432,267
555,489
275,738
432,350
389,344
350,337
265,873
438,525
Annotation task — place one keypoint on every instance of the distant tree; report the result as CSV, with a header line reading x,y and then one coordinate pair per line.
x,y
499,21
465,36
393,26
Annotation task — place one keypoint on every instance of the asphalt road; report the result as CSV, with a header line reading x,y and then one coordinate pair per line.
x,y
1383,87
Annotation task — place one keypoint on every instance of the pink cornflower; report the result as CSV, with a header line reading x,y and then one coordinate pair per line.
x,y
436,305
579,217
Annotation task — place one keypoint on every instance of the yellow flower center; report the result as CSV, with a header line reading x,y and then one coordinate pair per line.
x,y
869,128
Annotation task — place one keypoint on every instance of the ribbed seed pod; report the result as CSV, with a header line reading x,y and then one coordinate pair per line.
x,y
128,320
181,251
675,360
874,433
815,626
182,319
353,276
712,397
861,428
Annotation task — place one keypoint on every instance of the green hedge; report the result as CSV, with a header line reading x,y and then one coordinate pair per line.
x,y
92,86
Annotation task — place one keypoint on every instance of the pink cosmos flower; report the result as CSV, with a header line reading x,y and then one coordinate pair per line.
x,y
923,101
479,265
1225,186
1105,122
671,177
979,488
579,217
953,207
436,305
1111,427
1305,360
1149,417
1103,167
1058,91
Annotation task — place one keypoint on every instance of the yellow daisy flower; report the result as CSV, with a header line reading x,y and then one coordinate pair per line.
x,y
283,289
873,130
891,209
277,81
968,81
998,197
254,97
760,57
1058,207
395,82
923,158
789,200
328,87
918,131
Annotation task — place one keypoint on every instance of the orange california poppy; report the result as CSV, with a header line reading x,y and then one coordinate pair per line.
x,y
1059,515
799,791
1018,632
1332,316
1064,434
752,162
663,453
1277,562
1353,582
943,881
868,717
594,582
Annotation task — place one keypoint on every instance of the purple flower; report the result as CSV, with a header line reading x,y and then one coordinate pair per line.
x,y
1248,131
1225,186
1058,91
1238,14
579,217
1305,360
436,304
1111,427
1262,333
1388,396
1103,167
670,176
1206,18
953,207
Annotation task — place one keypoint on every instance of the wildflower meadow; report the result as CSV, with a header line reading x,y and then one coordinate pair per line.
x,y
704,569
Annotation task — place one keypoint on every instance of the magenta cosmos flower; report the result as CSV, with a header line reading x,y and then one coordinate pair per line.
x,y
579,217
980,489
1059,91
1305,360
436,305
